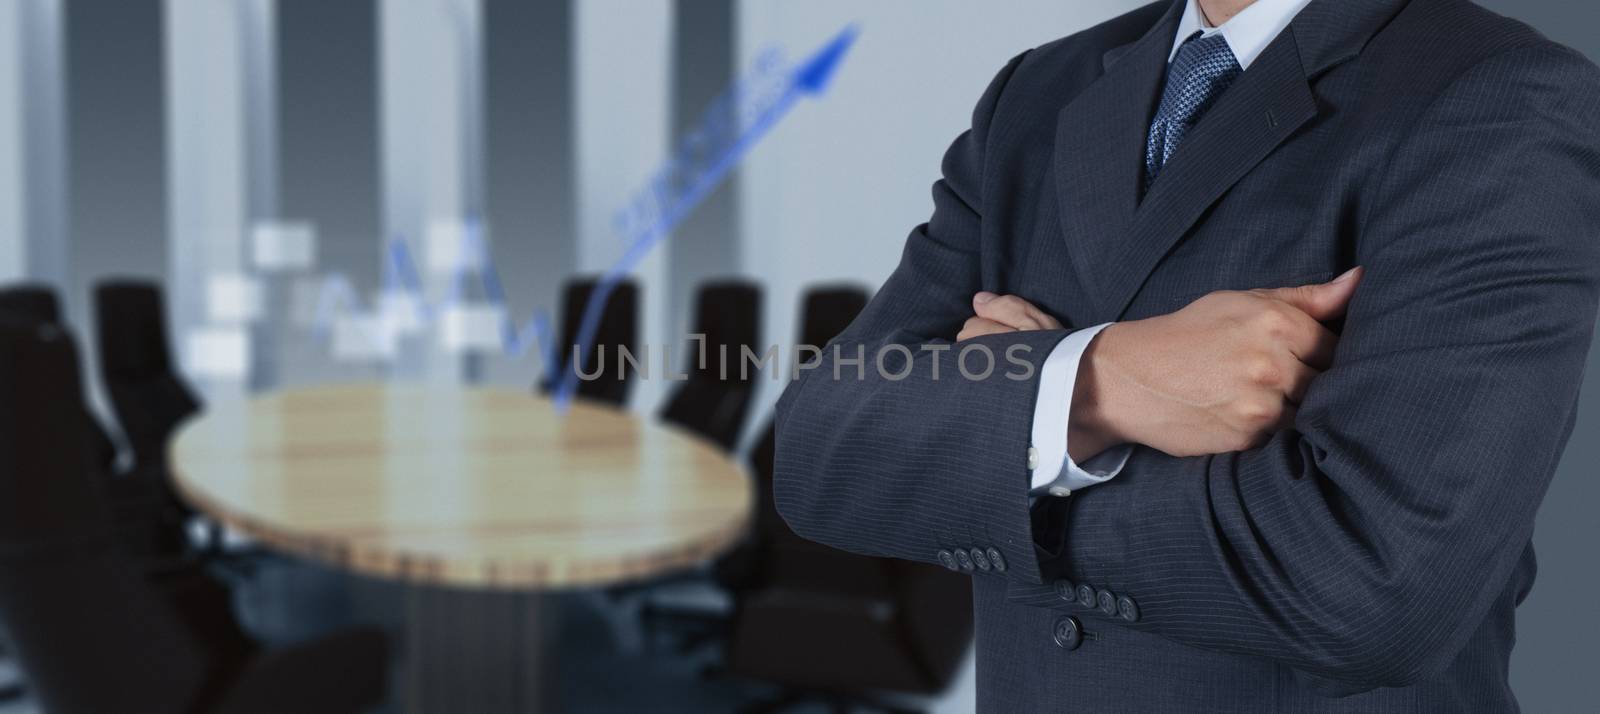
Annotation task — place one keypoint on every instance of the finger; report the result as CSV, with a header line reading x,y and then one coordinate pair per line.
x,y
1322,301
1309,341
1299,380
978,327
1008,310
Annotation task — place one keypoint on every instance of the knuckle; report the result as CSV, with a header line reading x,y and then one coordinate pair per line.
x,y
1261,370
1272,321
1258,411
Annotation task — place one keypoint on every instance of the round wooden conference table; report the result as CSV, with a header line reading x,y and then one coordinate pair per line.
x,y
476,498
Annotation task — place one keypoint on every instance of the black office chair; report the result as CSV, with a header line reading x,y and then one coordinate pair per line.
x,y
147,395
715,398
829,626
38,304
91,633
148,522
850,630
618,328
30,301
826,311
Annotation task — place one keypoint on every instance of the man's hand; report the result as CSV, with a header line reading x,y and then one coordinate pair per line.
x,y
1004,313
1222,374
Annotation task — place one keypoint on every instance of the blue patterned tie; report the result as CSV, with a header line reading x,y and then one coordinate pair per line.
x,y
1202,70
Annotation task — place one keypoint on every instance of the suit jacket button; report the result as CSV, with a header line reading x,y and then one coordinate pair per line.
x,y
964,559
1108,603
981,559
1128,609
1068,633
996,559
948,559
1085,595
1065,590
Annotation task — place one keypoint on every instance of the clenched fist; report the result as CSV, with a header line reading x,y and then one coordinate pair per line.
x,y
1222,374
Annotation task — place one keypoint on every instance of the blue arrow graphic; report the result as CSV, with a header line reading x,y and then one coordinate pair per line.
x,y
809,78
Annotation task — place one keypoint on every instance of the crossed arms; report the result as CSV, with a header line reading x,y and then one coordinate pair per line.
x,y
1361,530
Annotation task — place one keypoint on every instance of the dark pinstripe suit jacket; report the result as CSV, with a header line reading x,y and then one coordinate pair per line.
x,y
1371,558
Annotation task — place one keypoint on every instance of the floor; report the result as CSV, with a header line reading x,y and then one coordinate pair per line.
x,y
603,667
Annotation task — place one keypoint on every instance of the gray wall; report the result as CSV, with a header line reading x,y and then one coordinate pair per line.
x,y
328,156
530,162
116,190
328,128
705,246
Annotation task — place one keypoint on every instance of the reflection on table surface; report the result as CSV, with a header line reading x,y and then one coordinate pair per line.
x,y
466,487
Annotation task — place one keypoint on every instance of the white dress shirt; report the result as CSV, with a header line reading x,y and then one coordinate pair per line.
x,y
1054,471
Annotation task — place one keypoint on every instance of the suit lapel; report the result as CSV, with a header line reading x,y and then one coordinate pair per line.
x,y
1116,239
1099,152
1269,102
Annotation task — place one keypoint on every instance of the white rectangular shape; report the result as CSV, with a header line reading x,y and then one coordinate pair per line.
x,y
474,327
232,299
362,338
284,245
218,353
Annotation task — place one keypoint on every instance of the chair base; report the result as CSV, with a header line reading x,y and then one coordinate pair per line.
x,y
696,628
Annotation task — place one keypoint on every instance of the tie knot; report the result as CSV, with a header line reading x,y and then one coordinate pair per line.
x,y
1203,67
1201,71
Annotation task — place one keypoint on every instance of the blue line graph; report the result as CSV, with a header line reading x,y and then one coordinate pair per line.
x,y
704,160
810,78
401,277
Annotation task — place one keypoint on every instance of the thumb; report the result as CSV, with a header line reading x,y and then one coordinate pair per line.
x,y
1322,301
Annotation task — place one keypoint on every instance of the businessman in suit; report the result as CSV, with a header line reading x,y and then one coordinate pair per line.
x,y
1303,289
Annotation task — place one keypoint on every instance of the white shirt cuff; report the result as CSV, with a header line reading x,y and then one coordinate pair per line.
x,y
1054,471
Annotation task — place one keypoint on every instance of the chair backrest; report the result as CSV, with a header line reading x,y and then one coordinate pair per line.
x,y
931,607
136,367
91,634
714,399
828,311
132,326
825,312
728,313
618,328
32,302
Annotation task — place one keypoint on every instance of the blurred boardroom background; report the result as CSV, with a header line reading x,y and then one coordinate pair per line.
x,y
240,157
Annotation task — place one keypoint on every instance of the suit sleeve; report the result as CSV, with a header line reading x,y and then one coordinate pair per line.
x,y
1365,545
908,457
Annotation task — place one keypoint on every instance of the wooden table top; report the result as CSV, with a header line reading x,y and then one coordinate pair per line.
x,y
474,488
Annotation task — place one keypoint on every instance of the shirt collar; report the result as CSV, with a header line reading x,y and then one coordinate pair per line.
x,y
1247,33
